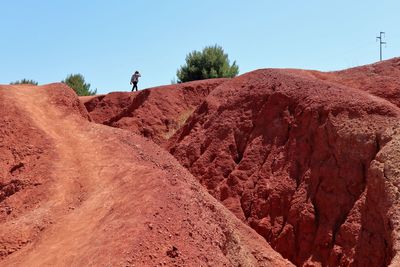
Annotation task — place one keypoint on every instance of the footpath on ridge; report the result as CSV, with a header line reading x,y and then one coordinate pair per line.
x,y
78,193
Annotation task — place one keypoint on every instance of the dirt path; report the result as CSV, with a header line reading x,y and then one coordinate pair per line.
x,y
115,199
82,172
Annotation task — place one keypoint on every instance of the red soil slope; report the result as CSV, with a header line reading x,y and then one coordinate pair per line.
x,y
155,113
380,79
75,193
313,166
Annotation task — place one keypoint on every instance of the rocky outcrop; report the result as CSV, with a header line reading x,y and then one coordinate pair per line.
x,y
156,113
381,79
296,158
76,193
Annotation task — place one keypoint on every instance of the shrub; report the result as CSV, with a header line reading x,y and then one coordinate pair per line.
x,y
211,62
77,82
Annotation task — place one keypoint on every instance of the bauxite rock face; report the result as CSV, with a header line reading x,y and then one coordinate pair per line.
x,y
309,160
76,193
296,158
156,113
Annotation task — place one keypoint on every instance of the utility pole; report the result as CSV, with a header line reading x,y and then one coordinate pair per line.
x,y
381,42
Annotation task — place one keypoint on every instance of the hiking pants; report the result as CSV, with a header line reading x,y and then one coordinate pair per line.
x,y
134,86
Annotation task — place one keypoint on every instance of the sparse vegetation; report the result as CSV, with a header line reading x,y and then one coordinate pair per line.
x,y
178,124
25,81
211,62
77,82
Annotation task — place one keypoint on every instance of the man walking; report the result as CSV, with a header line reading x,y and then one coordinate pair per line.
x,y
135,80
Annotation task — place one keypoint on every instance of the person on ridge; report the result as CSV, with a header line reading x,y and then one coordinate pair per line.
x,y
135,80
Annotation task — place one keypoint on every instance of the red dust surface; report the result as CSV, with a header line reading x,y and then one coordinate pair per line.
x,y
76,193
380,79
310,160
311,164
306,158
156,113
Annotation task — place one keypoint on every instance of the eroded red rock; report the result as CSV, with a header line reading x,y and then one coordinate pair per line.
x,y
310,160
380,79
76,193
295,157
156,113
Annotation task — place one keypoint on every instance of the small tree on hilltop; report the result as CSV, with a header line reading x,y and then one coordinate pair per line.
x,y
212,62
25,81
77,82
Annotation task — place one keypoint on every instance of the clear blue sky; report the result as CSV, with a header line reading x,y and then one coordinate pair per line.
x,y
46,40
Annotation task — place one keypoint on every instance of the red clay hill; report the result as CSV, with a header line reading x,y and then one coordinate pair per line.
x,y
76,193
300,161
380,79
308,159
155,113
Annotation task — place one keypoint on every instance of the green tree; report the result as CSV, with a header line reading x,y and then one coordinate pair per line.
x,y
25,81
211,62
77,82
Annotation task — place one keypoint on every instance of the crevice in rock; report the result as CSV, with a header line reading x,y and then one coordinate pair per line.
x,y
16,167
10,188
